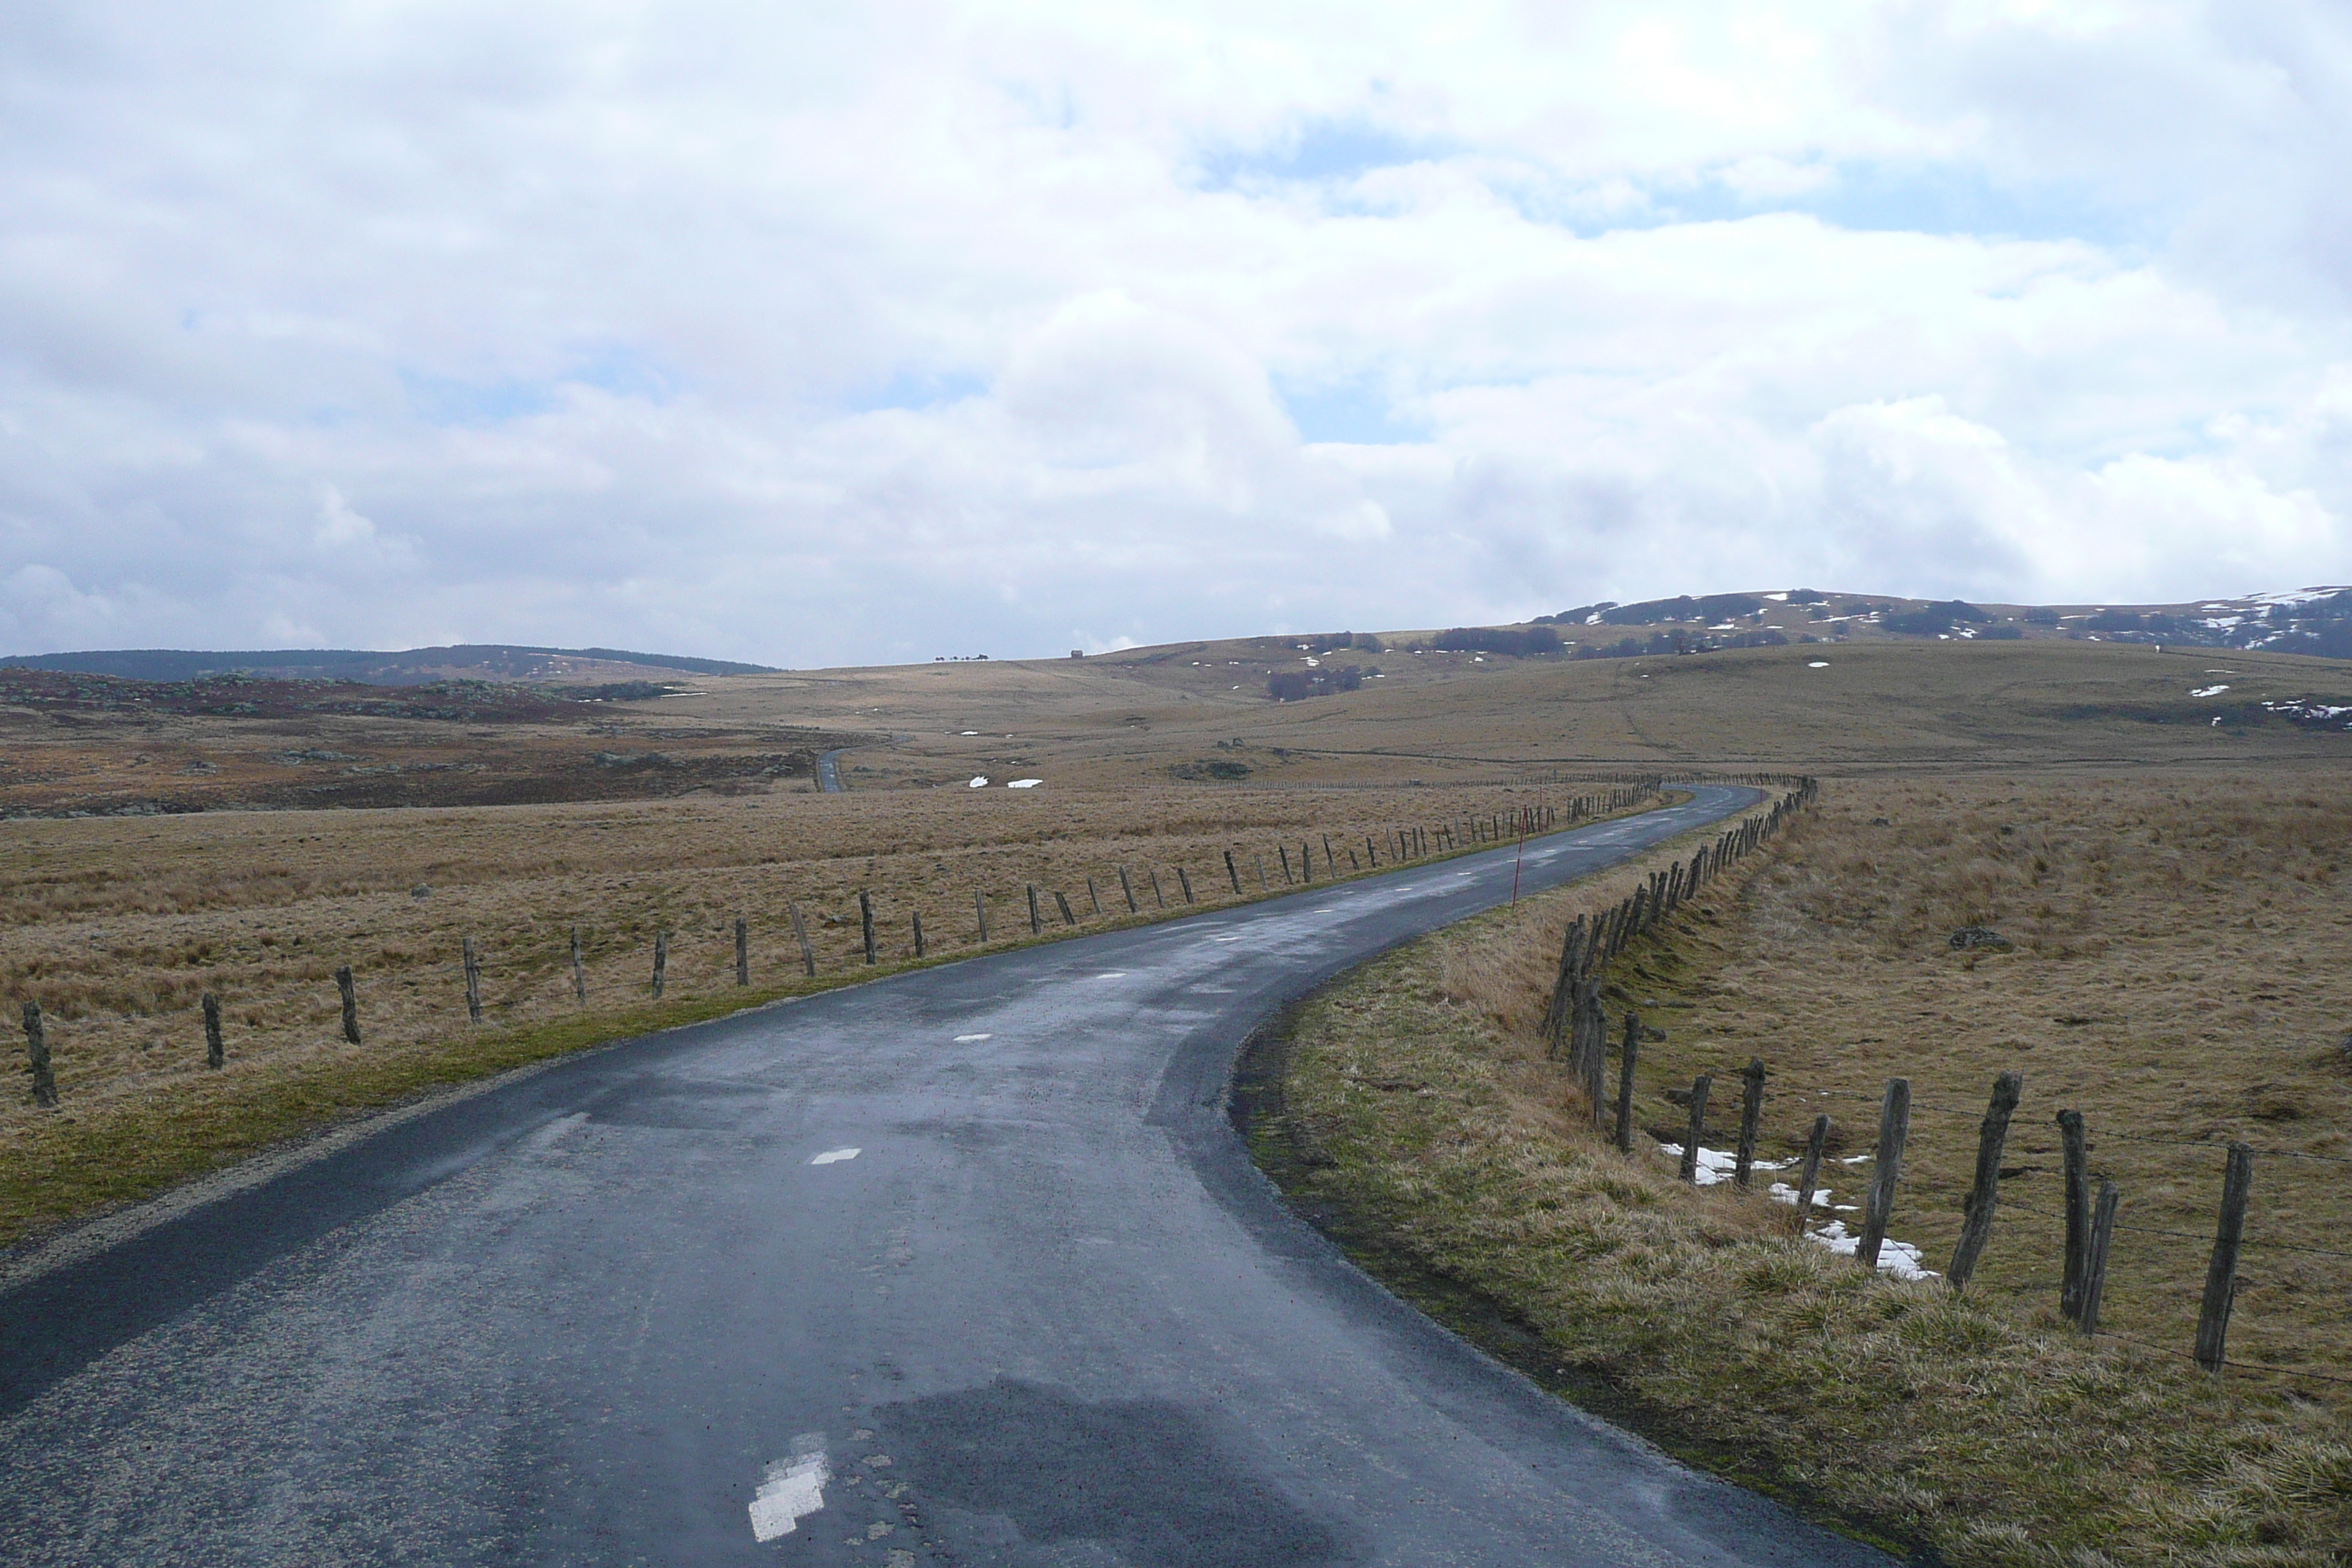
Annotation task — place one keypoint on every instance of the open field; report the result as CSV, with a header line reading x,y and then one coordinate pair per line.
x,y
116,926
2176,941
1157,716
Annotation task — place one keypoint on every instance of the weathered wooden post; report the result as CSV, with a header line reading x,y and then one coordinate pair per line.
x,y
1809,1177
1283,851
579,974
350,996
1064,904
1984,1191
473,981
808,951
1699,1087
215,1053
1372,853
980,914
1625,1059
1236,875
1305,862
661,962
919,933
1128,886
742,951
2077,1201
1894,1128
1751,1115
1257,863
1093,897
1036,921
1590,1031
1157,897
865,923
37,1057
1184,882
2094,1273
2221,1273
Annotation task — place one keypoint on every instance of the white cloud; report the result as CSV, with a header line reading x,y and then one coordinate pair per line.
x,y
812,333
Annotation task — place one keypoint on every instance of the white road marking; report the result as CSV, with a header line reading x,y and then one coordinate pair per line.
x,y
832,1155
973,1039
791,1488
1112,974
1235,937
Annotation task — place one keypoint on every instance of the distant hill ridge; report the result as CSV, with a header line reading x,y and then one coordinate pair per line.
x,y
410,667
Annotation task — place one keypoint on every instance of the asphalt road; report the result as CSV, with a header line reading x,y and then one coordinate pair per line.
x,y
828,773
961,1266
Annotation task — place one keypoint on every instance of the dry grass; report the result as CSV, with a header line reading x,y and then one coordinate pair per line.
x,y
117,926
1420,1108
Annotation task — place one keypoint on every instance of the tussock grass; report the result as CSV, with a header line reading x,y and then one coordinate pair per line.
x,y
1418,1108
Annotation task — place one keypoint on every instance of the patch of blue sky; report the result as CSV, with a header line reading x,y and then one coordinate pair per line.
x,y
450,400
1314,152
1934,199
1356,411
913,390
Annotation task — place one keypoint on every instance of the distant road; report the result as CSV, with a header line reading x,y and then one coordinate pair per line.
x,y
828,776
966,1264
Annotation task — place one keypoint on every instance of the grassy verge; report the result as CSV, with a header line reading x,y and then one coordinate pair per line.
x,y
1409,1110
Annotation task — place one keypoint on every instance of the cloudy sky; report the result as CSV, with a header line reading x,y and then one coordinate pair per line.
x,y
850,333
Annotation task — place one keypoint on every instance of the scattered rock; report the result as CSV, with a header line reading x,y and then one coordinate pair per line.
x,y
1880,822
1972,939
422,890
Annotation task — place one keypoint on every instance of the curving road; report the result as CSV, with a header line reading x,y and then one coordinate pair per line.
x,y
961,1266
828,773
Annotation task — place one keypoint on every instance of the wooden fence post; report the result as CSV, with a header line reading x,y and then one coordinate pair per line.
x,y
1984,1192
1809,1178
1128,886
1894,1128
919,933
1157,897
1699,1086
1305,862
37,1057
473,981
1625,1083
742,951
1751,1114
2077,1202
865,923
2095,1275
808,952
2221,1273
1257,863
1036,921
661,962
1236,875
1283,850
215,1054
1184,882
1093,897
579,974
1372,853
980,914
344,983
1064,905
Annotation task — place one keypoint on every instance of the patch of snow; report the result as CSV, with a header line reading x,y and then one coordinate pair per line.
x,y
979,781
1782,598
1781,1192
1899,1258
1818,664
1721,1164
2209,691
1024,783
